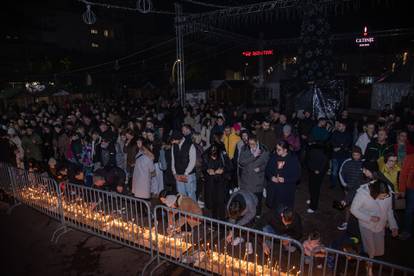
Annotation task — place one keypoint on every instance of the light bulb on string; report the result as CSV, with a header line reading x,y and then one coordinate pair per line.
x,y
144,6
89,16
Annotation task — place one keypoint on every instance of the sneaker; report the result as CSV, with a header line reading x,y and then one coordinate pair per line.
x,y
343,226
404,236
237,241
319,266
308,201
201,204
310,211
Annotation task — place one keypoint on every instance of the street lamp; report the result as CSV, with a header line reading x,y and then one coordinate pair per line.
x,y
173,70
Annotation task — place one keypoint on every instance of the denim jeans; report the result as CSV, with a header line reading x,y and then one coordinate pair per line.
x,y
188,188
269,229
336,165
409,211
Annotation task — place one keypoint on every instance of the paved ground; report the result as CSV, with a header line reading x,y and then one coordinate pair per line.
x,y
27,250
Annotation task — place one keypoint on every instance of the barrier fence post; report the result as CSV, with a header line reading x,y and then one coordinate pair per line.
x,y
12,180
333,261
195,242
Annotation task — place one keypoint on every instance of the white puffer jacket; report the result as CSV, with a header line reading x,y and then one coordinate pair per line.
x,y
364,207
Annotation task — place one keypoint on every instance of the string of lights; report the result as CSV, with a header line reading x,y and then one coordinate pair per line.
x,y
143,6
242,10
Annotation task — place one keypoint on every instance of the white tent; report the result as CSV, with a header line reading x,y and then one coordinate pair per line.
x,y
391,89
388,93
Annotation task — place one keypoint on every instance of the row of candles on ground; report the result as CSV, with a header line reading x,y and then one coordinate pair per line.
x,y
228,262
81,211
84,213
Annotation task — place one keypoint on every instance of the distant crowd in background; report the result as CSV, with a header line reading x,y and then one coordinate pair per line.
x,y
242,167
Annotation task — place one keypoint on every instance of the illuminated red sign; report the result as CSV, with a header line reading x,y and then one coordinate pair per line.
x,y
257,53
364,41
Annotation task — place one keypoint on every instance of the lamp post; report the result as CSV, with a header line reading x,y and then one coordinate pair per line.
x,y
173,70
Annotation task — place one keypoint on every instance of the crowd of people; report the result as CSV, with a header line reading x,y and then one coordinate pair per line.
x,y
230,162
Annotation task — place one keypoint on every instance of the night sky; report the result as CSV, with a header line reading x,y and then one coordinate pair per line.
x,y
23,15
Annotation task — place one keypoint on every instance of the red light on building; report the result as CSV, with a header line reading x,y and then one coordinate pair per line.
x,y
365,41
257,53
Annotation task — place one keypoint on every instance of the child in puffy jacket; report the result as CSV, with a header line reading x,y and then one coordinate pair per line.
x,y
310,248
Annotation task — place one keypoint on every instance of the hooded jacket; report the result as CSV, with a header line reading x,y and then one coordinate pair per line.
x,y
364,206
230,143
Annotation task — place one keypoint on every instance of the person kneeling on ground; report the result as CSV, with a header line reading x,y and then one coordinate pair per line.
x,y
287,224
180,203
241,210
313,248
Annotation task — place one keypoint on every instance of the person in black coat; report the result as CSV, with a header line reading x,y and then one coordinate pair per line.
x,y
286,223
317,164
282,172
216,168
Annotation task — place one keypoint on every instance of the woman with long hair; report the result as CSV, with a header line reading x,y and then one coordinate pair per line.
x,y
282,172
372,206
215,169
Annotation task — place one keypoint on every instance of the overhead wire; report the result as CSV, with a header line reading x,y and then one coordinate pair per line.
x,y
206,4
119,59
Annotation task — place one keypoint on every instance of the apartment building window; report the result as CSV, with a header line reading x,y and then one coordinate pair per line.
x,y
94,45
94,31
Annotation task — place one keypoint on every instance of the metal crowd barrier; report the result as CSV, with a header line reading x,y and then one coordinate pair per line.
x,y
201,244
123,219
5,183
335,262
36,191
198,243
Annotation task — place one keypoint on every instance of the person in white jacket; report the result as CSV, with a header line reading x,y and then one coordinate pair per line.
x,y
372,206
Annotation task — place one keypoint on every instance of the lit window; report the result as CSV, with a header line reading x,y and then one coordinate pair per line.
x,y
94,45
106,33
367,80
344,66
94,31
